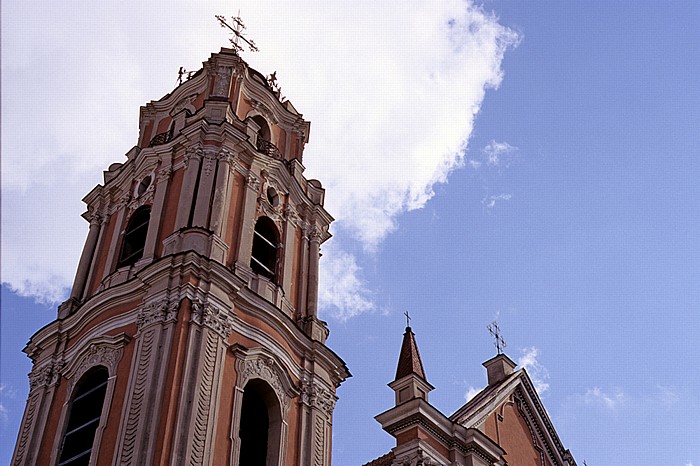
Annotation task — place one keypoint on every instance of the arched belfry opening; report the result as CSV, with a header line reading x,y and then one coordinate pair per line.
x,y
260,425
134,240
263,259
84,418
264,133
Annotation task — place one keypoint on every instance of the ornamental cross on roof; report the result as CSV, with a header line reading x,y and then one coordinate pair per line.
x,y
408,319
237,30
495,332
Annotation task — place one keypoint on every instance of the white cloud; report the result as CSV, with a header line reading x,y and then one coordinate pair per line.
x,y
537,372
342,293
499,154
597,396
392,94
471,393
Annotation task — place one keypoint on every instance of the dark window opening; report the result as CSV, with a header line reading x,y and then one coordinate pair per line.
x,y
260,430
135,237
264,131
84,418
263,259
255,424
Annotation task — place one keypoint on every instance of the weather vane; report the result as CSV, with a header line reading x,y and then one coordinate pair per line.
x,y
495,331
237,31
408,319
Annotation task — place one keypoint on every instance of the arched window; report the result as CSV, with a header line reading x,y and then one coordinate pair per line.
x,y
84,418
260,426
264,131
135,237
263,259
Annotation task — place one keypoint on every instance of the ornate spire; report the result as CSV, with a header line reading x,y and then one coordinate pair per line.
x,y
409,358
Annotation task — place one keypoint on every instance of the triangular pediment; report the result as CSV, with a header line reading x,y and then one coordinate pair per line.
x,y
519,392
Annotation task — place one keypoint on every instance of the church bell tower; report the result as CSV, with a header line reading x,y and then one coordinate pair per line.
x,y
191,333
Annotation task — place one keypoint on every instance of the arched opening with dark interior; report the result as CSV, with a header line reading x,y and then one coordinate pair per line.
x,y
84,418
260,425
264,131
263,259
134,239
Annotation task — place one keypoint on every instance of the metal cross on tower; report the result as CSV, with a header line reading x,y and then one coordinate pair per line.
x,y
237,30
495,331
408,319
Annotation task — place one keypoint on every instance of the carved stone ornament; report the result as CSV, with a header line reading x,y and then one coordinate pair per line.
x,y
222,81
291,215
208,160
217,319
156,312
96,355
319,397
253,182
263,367
312,232
194,152
46,376
263,110
183,103
164,174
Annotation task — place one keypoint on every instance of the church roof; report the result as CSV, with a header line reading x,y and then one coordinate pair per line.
x,y
409,358
384,460
487,401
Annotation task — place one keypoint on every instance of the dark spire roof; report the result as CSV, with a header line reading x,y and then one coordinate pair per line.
x,y
409,359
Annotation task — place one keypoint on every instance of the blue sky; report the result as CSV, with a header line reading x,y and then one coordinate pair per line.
x,y
563,201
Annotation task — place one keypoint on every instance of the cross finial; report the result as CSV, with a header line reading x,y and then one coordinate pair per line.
x,y
237,30
408,319
495,331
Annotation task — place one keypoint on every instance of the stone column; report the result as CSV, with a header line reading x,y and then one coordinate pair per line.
x,y
86,258
245,244
149,250
222,192
314,256
113,252
195,431
141,413
184,205
289,230
42,385
206,183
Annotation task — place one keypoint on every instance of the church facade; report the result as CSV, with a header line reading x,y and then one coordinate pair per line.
x,y
191,334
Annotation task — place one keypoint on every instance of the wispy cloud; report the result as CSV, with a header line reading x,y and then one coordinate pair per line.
x,y
537,372
611,401
489,202
499,154
6,392
667,396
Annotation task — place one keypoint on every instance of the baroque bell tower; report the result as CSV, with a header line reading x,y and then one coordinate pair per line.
x,y
191,333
